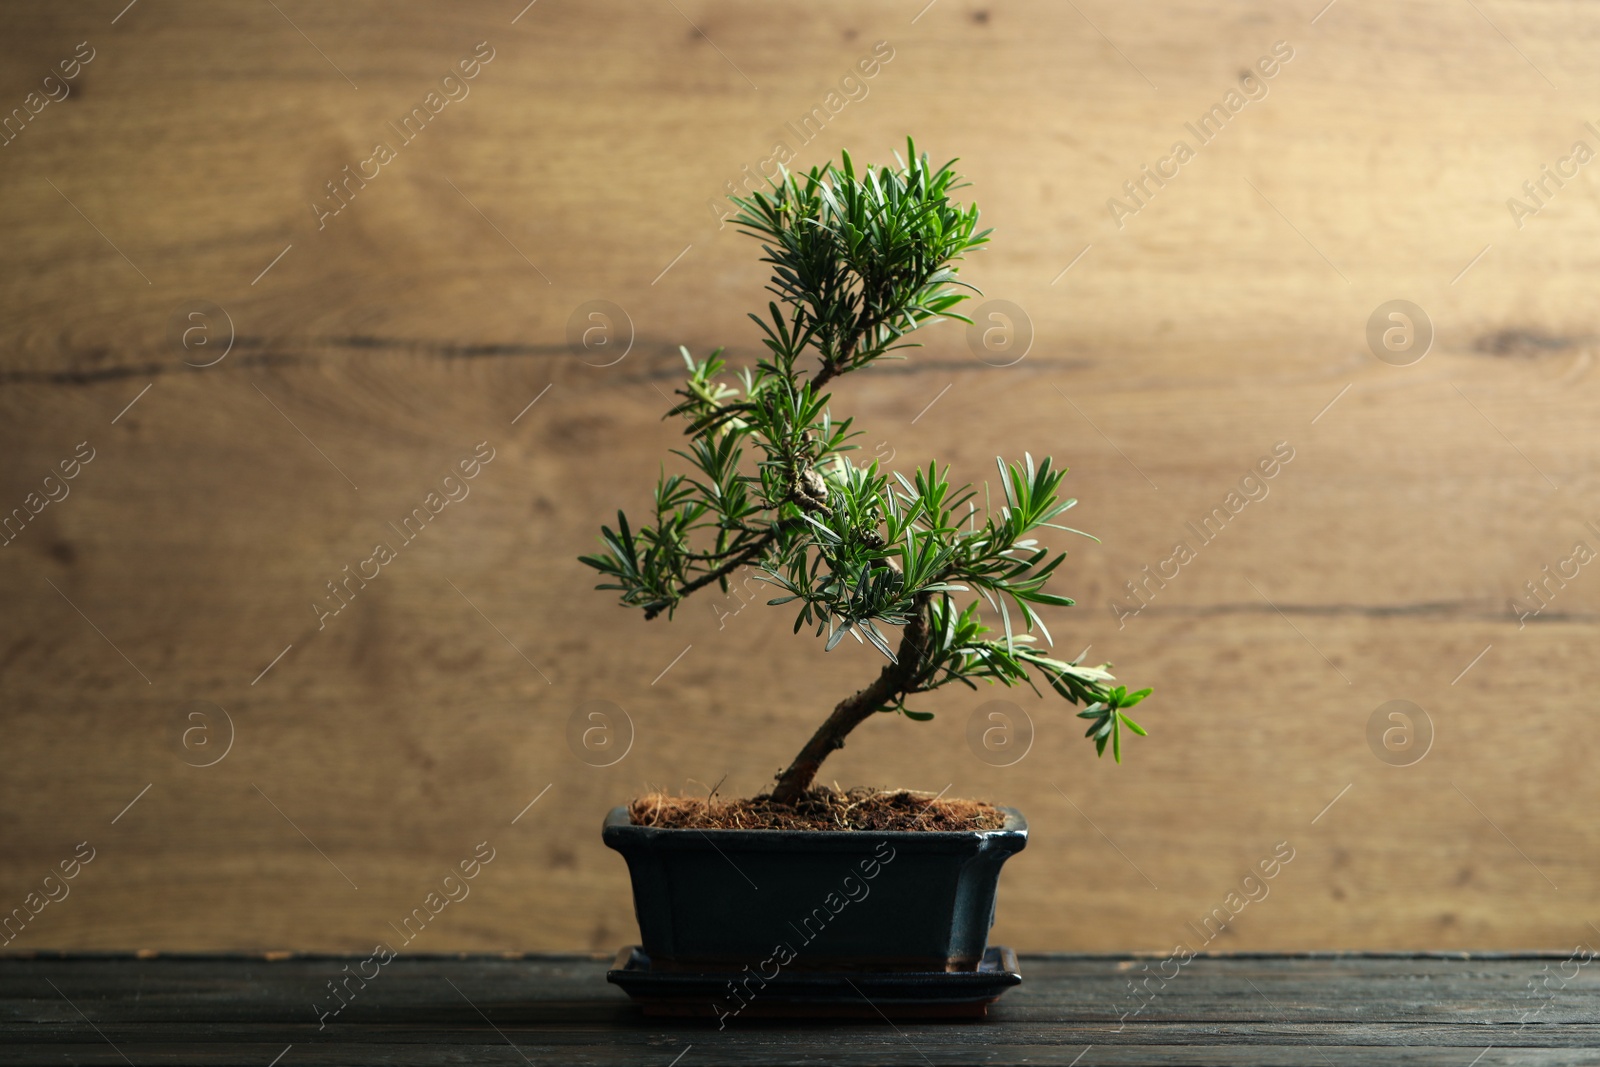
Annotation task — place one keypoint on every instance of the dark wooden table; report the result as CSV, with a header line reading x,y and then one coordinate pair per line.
x,y
1462,1011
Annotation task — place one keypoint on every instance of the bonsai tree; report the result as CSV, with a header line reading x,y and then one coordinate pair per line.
x,y
859,260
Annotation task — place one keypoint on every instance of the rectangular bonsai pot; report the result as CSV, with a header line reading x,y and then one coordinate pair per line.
x,y
860,900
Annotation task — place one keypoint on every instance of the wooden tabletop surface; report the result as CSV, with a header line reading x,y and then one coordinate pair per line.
x,y
1460,1010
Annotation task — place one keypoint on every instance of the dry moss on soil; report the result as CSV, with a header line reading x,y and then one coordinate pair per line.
x,y
820,809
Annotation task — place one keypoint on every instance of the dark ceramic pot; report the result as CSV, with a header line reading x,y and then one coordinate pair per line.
x,y
814,899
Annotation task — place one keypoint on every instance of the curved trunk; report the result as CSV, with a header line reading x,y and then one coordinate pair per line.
x,y
854,710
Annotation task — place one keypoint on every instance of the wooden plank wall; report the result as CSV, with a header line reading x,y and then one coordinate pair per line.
x,y
374,349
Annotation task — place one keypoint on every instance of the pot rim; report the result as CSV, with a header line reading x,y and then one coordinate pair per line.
x,y
620,827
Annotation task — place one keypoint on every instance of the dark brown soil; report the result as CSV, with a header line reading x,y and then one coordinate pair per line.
x,y
821,809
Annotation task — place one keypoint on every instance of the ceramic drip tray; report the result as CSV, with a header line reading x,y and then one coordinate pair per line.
x,y
728,995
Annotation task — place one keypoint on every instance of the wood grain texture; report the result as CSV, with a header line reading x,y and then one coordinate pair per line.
x,y
1249,1012
1224,317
